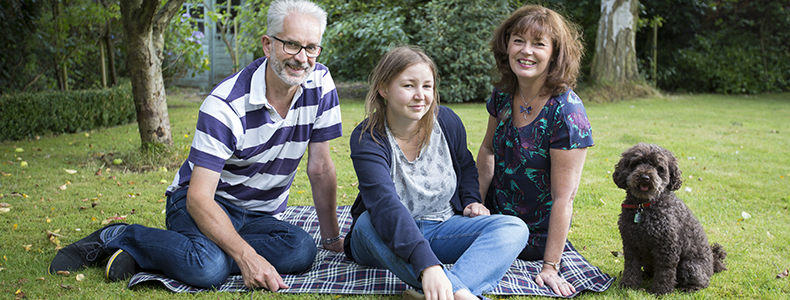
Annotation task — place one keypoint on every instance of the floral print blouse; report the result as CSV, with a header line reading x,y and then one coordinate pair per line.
x,y
521,185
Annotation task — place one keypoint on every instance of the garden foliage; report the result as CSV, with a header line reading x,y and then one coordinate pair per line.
x,y
24,115
455,33
733,46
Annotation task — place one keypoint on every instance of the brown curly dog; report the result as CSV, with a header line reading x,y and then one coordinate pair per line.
x,y
661,237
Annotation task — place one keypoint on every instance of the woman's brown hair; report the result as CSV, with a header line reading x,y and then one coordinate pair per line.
x,y
540,22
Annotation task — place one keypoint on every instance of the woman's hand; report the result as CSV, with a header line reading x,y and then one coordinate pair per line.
x,y
435,284
476,209
550,277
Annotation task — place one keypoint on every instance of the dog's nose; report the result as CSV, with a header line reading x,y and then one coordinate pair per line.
x,y
645,178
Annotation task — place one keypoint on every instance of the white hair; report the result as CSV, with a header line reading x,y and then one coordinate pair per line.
x,y
280,9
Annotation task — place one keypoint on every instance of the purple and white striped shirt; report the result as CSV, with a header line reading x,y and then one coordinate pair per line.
x,y
255,150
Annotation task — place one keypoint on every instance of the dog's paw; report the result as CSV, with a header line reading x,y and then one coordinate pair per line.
x,y
690,289
630,284
658,291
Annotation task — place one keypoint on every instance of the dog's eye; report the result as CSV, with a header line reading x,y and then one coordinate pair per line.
x,y
661,169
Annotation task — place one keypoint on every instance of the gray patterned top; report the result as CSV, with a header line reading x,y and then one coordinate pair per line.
x,y
426,184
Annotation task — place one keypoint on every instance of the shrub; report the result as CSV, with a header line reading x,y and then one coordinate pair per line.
x,y
25,115
456,34
357,40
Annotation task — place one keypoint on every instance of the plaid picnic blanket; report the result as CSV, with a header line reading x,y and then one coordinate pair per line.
x,y
333,273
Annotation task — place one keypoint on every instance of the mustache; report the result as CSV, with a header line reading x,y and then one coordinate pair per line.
x,y
295,65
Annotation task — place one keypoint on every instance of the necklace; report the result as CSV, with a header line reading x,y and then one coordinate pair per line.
x,y
526,107
408,140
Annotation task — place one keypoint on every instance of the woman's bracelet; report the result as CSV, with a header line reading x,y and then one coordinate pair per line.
x,y
555,265
330,240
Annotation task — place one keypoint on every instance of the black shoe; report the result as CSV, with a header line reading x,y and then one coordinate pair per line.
x,y
121,266
86,252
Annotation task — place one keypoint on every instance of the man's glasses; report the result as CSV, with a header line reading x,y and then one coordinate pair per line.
x,y
294,48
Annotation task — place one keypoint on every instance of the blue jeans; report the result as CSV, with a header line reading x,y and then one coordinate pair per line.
x,y
183,253
481,248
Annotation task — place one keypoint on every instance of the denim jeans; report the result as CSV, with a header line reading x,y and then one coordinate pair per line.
x,y
481,248
183,253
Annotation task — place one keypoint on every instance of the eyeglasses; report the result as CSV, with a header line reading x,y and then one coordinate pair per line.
x,y
294,48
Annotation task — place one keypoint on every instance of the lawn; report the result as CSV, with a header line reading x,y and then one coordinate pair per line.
x,y
732,151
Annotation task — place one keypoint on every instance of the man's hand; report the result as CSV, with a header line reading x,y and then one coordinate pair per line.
x,y
435,284
257,272
476,209
336,246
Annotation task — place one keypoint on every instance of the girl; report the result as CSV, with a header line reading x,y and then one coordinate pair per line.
x,y
419,205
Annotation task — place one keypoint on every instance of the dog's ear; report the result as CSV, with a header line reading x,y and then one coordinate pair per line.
x,y
675,179
620,174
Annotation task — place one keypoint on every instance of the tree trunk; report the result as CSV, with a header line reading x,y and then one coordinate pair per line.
x,y
144,23
110,47
615,50
102,64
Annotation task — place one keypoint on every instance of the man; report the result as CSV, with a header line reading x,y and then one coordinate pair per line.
x,y
223,205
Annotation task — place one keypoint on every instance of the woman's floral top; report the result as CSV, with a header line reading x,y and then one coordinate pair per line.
x,y
521,184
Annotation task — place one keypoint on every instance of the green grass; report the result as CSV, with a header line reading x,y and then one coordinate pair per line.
x,y
732,150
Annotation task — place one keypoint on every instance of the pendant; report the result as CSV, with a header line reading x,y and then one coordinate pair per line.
x,y
638,216
527,109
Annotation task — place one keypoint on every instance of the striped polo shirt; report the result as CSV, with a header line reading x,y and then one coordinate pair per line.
x,y
255,150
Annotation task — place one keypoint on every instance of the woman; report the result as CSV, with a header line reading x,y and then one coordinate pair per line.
x,y
419,205
531,159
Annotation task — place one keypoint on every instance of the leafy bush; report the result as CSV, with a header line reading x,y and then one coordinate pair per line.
x,y
719,64
25,115
355,43
183,49
734,46
456,34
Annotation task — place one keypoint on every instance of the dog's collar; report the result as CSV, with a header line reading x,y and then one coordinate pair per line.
x,y
640,205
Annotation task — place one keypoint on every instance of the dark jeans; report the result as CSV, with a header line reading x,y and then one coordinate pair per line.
x,y
183,253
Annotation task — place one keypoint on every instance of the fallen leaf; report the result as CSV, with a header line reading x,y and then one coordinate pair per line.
x,y
79,277
63,273
745,215
53,237
62,187
5,209
355,183
70,171
41,278
114,218
617,253
27,247
3,204
782,275
66,286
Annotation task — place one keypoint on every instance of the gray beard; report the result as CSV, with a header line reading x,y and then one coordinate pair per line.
x,y
279,69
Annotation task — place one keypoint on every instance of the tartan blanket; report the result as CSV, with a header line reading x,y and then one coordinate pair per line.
x,y
333,273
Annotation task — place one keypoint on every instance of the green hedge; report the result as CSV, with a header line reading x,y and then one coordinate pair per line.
x,y
25,115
